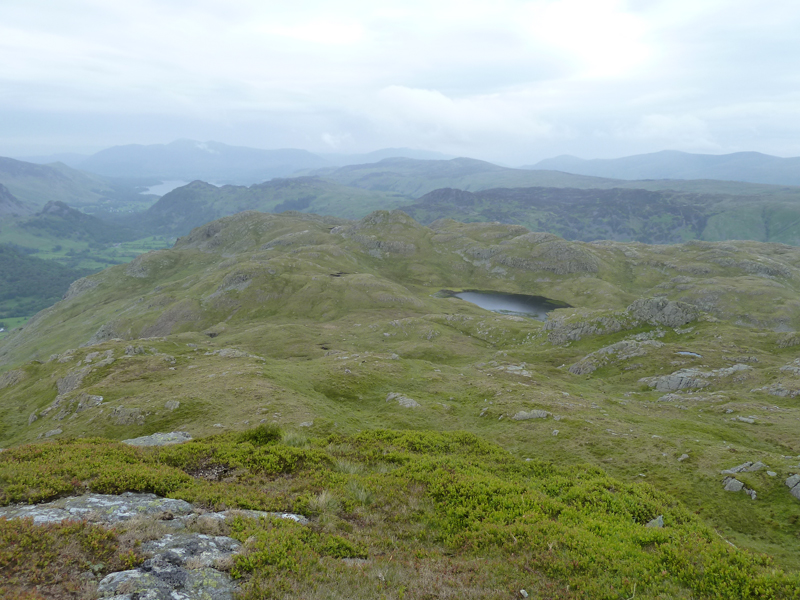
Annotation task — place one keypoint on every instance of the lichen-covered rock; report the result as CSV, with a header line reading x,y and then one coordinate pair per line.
x,y
99,508
747,467
10,378
619,351
402,400
680,380
734,485
160,439
779,390
561,330
650,311
531,414
793,483
71,381
658,522
202,550
660,311
690,378
159,579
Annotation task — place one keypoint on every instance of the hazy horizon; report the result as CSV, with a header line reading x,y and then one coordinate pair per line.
x,y
513,82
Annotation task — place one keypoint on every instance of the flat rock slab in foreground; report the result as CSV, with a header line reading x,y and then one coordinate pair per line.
x,y
159,439
99,508
182,567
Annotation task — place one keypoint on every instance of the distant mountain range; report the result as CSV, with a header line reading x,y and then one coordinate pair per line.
x,y
197,203
189,160
752,167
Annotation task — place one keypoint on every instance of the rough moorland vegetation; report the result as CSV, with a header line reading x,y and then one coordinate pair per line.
x,y
395,514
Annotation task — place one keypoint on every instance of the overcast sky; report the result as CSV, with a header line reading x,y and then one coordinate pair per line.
x,y
503,80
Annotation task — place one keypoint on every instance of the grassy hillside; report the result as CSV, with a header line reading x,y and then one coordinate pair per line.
x,y
312,323
659,217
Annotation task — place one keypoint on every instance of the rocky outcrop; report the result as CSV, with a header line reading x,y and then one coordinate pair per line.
x,y
747,467
779,390
660,311
645,311
690,378
10,378
619,351
79,287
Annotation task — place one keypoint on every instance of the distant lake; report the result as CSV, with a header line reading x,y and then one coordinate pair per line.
x,y
164,187
510,304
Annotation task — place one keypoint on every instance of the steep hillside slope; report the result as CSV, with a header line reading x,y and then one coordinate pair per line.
x,y
10,206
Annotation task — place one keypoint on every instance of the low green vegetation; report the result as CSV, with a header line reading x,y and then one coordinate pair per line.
x,y
419,513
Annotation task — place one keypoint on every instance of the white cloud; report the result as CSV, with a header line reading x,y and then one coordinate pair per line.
x,y
527,78
673,131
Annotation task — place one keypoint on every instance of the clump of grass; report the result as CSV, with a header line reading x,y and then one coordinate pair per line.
x,y
262,435
323,503
295,440
349,467
361,495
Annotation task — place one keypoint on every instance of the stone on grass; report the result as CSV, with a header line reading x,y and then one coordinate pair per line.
x,y
733,485
402,400
793,483
657,522
531,414
160,439
172,404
